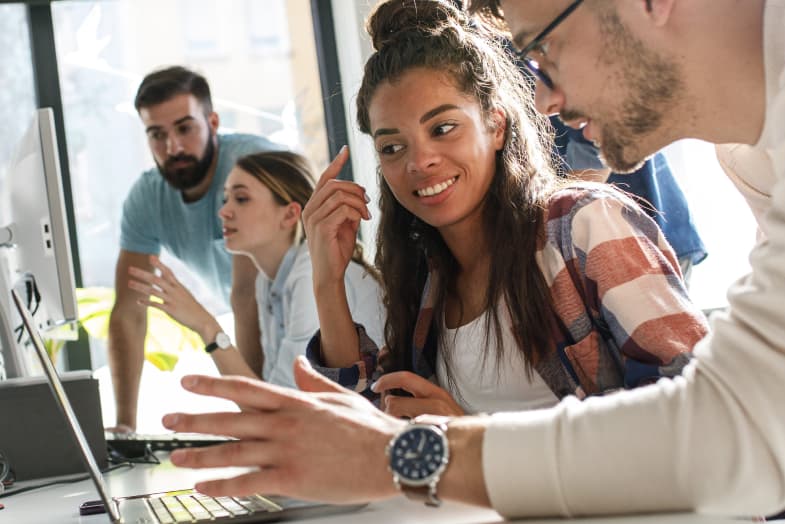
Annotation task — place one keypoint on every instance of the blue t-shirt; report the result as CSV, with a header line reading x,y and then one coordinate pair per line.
x,y
653,182
155,216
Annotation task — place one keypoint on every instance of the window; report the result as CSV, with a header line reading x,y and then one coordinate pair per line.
x,y
722,217
261,81
17,97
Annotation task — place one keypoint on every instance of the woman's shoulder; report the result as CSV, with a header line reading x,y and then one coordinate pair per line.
x,y
578,196
587,212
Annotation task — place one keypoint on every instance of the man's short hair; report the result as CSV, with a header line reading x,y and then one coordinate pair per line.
x,y
164,84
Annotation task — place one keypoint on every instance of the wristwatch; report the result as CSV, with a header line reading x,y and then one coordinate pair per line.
x,y
418,456
222,341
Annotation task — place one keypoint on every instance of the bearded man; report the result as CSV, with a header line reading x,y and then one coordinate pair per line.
x,y
175,205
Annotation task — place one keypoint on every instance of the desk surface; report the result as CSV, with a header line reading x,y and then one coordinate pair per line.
x,y
60,503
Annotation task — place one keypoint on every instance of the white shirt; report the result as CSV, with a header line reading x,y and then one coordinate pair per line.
x,y
482,387
712,440
287,311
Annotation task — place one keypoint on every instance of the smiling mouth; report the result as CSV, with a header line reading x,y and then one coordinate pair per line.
x,y
435,189
229,231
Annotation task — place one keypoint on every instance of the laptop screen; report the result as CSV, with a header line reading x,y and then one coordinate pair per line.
x,y
65,407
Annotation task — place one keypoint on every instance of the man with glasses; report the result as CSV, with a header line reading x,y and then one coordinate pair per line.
x,y
636,75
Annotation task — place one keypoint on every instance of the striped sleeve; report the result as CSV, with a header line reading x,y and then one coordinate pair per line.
x,y
626,266
358,376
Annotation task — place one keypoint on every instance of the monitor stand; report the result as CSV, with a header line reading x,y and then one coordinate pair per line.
x,y
12,361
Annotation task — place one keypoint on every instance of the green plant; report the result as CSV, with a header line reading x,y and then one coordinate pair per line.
x,y
165,341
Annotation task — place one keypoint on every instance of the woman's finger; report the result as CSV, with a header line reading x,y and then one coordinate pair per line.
x,y
336,193
151,278
408,381
334,201
334,169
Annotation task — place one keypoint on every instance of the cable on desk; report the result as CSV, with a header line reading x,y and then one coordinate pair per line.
x,y
148,457
80,478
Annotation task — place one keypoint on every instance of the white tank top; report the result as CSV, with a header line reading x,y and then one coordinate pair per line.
x,y
477,386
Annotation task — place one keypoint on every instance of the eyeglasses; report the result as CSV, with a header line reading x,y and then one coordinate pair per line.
x,y
536,46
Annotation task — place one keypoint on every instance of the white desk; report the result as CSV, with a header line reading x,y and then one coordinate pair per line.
x,y
60,503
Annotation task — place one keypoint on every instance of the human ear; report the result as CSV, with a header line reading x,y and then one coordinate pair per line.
x,y
213,120
292,215
498,127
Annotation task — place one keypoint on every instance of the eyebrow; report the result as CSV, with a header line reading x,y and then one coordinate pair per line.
x,y
521,38
176,122
424,118
235,186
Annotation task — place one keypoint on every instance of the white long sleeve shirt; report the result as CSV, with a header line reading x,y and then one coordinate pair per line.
x,y
712,440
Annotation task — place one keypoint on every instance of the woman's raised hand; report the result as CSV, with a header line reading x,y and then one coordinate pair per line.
x,y
173,298
332,217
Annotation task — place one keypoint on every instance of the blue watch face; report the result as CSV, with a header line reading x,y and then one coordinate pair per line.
x,y
417,454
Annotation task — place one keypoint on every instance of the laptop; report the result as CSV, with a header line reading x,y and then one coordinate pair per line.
x,y
177,505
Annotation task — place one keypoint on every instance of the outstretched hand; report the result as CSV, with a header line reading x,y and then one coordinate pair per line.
x,y
427,397
322,443
173,298
332,218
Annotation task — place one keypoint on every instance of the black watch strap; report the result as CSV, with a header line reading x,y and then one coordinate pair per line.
x,y
212,346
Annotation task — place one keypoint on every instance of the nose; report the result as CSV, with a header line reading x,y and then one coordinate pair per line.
x,y
548,101
422,157
173,145
225,213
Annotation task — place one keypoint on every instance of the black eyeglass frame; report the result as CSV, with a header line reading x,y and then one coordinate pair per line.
x,y
533,65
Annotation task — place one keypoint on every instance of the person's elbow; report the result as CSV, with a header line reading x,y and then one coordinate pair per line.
x,y
126,314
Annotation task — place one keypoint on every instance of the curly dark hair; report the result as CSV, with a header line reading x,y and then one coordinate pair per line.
x,y
434,34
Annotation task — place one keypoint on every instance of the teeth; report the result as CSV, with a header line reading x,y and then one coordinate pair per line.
x,y
438,188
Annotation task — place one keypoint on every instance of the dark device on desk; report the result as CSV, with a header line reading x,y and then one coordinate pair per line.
x,y
136,445
170,507
33,436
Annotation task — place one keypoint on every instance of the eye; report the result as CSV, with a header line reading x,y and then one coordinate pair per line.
x,y
443,129
542,48
157,135
389,149
184,129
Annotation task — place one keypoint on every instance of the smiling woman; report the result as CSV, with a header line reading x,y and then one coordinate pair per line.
x,y
504,288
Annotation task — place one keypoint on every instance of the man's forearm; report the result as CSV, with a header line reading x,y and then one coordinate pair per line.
x,y
126,358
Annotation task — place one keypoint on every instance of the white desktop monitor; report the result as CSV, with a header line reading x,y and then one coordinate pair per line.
x,y
34,239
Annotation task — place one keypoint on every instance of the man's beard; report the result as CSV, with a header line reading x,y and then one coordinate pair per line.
x,y
650,83
190,176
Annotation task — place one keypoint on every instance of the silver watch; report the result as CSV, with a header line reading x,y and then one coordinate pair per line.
x,y
222,341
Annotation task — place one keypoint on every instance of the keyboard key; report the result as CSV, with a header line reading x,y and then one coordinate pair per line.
x,y
160,511
194,507
232,506
257,503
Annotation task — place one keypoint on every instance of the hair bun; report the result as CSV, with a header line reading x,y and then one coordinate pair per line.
x,y
393,18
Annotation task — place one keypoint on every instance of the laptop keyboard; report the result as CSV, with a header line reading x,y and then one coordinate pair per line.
x,y
195,507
